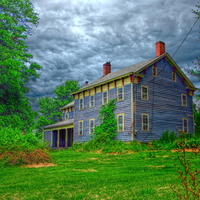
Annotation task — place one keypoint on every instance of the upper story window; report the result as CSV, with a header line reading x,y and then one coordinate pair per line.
x,y
184,100
154,71
81,104
104,98
120,122
185,125
174,76
91,101
144,93
145,122
91,126
120,94
80,127
65,115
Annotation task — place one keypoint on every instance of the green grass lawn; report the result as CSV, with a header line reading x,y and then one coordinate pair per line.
x,y
78,175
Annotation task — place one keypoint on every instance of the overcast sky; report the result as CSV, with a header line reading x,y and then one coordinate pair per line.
x,y
75,38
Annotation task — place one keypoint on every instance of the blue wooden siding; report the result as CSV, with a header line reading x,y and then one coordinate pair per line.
x,y
71,115
90,113
47,137
164,104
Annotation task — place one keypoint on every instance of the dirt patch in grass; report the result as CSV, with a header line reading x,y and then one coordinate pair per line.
x,y
85,170
39,165
156,166
196,150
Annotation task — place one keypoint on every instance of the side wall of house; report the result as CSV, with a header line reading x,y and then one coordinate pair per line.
x,y
123,107
47,137
164,105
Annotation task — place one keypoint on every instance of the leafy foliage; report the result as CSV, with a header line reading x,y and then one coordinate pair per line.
x,y
108,124
50,106
197,120
16,68
18,148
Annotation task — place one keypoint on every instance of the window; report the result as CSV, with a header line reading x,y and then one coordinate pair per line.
x,y
185,125
120,122
81,104
65,115
174,76
145,122
104,98
144,93
91,126
92,103
184,100
154,71
120,94
80,127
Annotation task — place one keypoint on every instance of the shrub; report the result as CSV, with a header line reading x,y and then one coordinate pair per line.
x,y
21,148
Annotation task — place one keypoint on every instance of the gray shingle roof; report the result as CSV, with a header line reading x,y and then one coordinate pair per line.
x,y
61,123
68,105
131,69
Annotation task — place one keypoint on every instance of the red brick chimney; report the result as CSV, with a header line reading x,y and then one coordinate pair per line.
x,y
106,68
160,48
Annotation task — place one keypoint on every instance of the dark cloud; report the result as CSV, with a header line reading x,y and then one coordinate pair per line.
x,y
75,38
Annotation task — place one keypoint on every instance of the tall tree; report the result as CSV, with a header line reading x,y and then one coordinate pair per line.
x,y
50,107
16,69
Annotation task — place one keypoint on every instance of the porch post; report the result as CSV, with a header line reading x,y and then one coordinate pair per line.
x,y
66,137
58,139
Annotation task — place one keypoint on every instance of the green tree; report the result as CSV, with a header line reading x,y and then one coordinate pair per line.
x,y
50,106
106,131
16,69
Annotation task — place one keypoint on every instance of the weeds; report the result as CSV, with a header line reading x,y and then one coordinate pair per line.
x,y
17,148
189,176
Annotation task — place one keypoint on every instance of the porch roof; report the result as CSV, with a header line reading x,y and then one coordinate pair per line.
x,y
61,123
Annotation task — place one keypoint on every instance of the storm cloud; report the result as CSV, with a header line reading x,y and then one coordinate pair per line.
x,y
75,38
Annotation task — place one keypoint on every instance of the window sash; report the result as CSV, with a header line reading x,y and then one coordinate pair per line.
x,y
81,104
184,100
91,126
91,101
145,122
120,94
185,125
105,97
144,93
154,71
80,128
174,76
120,123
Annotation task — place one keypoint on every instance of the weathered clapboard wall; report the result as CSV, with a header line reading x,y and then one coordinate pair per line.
x,y
164,104
92,113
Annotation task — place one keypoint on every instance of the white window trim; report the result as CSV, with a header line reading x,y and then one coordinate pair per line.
x,y
144,114
90,126
183,125
182,104
118,94
144,86
103,98
90,101
80,121
121,114
80,104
